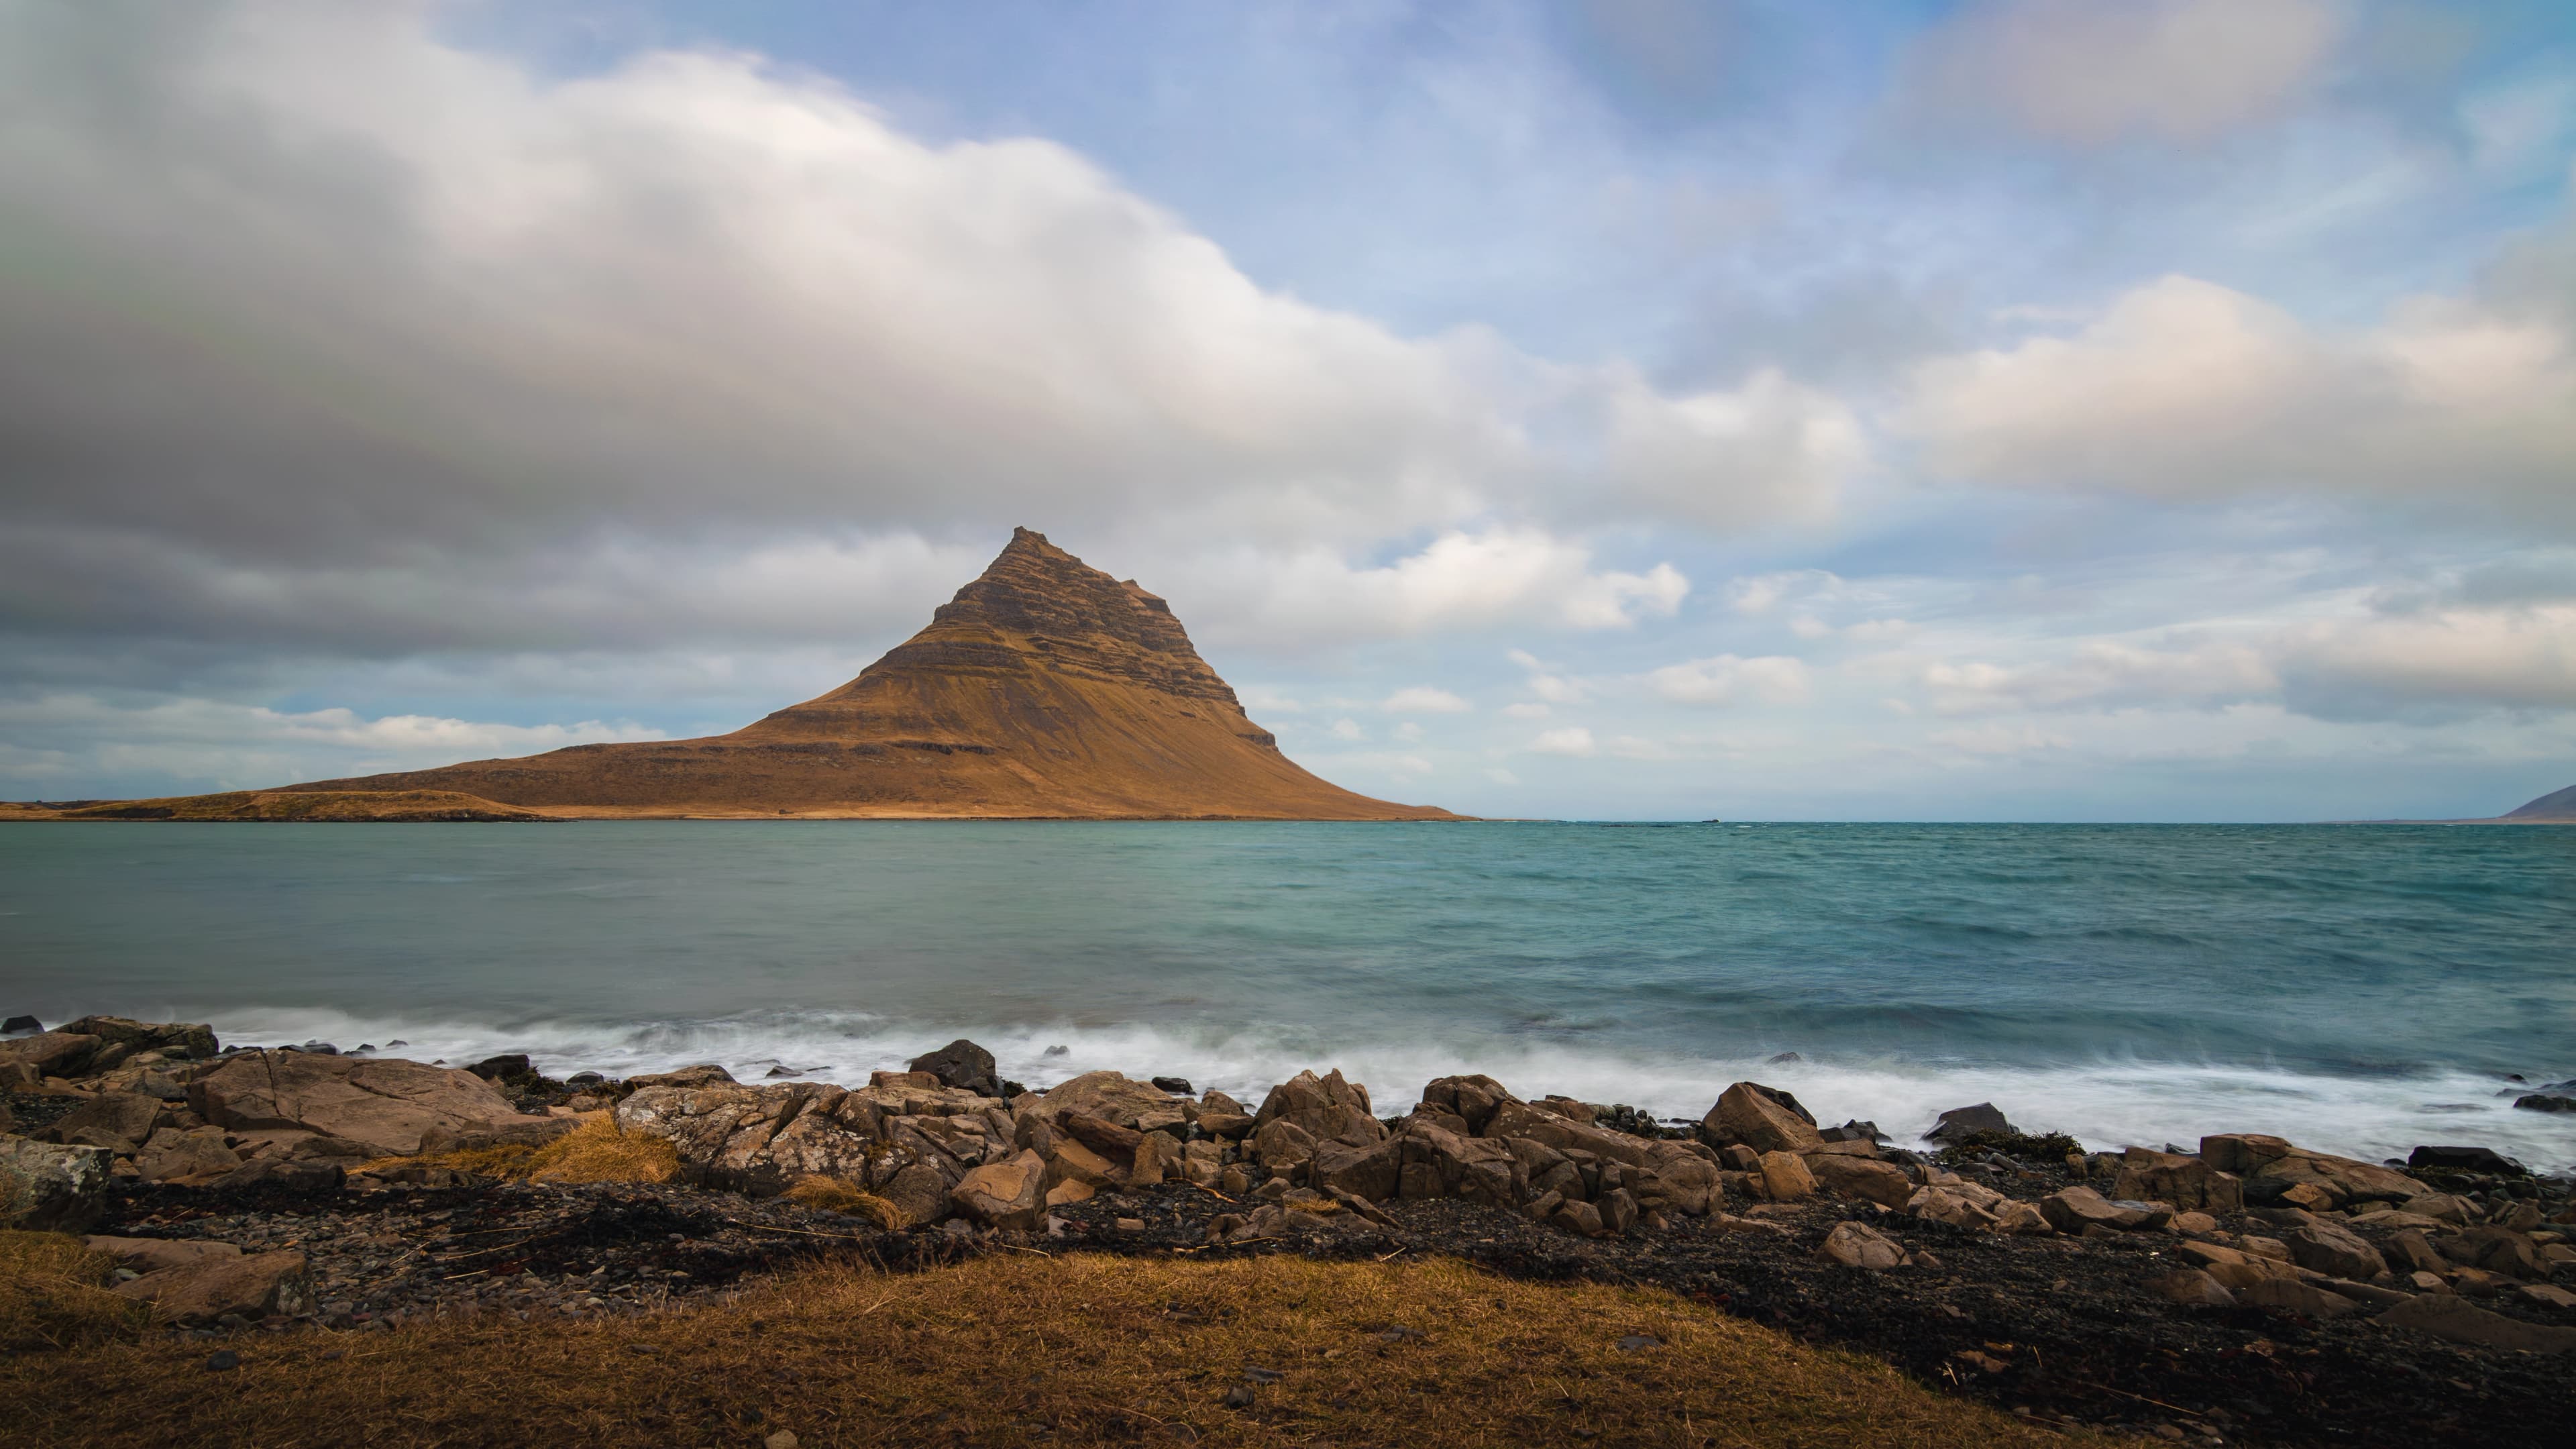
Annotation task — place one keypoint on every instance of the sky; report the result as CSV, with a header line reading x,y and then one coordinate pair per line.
x,y
2004,409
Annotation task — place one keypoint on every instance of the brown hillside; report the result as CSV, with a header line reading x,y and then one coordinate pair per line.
x,y
1046,688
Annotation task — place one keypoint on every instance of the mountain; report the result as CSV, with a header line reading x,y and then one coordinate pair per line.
x,y
2557,805
1046,688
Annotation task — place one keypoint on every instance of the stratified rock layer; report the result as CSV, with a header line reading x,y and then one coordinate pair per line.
x,y
1046,688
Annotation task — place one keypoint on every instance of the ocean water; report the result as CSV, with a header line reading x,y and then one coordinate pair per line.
x,y
2357,988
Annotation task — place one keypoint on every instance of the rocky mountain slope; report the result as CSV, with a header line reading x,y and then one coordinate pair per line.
x,y
1046,688
2557,805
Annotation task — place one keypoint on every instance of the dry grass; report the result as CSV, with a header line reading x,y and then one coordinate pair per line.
x,y
52,1296
840,1195
1021,1349
595,1151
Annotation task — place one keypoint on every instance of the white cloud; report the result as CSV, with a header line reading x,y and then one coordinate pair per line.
x,y
1501,776
1424,699
2441,662
1574,740
1348,729
1727,680
1527,709
2091,71
1408,733
2185,389
2106,674
235,746
1458,580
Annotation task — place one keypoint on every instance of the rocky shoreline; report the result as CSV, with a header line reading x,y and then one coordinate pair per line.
x,y
2246,1290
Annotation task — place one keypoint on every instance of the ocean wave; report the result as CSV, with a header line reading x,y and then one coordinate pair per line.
x,y
2106,1104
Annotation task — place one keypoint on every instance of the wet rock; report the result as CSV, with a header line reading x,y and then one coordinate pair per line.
x,y
1157,1159
2462,1322
47,1186
21,1026
192,1040
919,1191
2466,1159
1959,1122
1282,1147
1756,1117
1472,1099
2333,1251
1109,1096
384,1105
46,1054
1177,1086
2241,1152
2545,1102
704,1074
2497,1250
1857,1245
963,1065
2186,1182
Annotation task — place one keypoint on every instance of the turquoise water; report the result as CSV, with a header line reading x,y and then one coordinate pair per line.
x,y
2357,987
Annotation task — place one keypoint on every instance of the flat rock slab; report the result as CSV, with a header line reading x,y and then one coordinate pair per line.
x,y
384,1105
2446,1316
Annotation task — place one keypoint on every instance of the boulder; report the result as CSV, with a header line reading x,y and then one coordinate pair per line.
x,y
2292,1296
1118,1144
2189,1183
1754,1116
193,1040
2192,1288
1372,1171
1618,1210
1157,1159
2333,1251
1282,1147
2467,1159
1471,1099
253,1285
145,1255
963,1065
174,1154
2497,1250
2021,1219
117,1121
47,1186
704,1074
1327,1107
2449,1317
2546,1102
383,1105
1109,1096
46,1054
919,1191
1960,1122
1441,1163
1965,1205
21,1025
1785,1177
1008,1194
1581,1218
1859,1177
2077,1208
2301,1176
2410,1251
1857,1245
2241,1152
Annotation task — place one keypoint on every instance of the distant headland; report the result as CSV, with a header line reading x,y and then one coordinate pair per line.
x,y
1044,690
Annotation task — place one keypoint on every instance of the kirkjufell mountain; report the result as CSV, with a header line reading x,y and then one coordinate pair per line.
x,y
1046,688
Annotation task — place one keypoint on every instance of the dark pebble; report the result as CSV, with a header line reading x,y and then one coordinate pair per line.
x,y
222,1360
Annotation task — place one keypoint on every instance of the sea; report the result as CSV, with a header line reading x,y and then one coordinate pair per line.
x,y
2360,989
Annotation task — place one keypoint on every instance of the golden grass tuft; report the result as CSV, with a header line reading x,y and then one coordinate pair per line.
x,y
598,1151
53,1295
840,1195
1023,1349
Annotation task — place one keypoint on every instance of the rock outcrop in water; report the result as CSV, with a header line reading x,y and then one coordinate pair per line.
x,y
1044,689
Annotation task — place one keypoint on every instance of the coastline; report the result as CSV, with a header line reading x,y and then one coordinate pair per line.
x,y
1917,1253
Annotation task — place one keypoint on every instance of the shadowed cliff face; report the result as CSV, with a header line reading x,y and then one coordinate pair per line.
x,y
1045,688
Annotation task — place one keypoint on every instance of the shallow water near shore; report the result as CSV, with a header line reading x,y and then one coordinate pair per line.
x,y
2355,988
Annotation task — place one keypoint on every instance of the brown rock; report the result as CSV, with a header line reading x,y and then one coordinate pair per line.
x,y
2021,1219
2334,1251
45,1187
1229,1125
2189,1183
2413,1251
2078,1208
1372,1171
117,1121
1785,1177
1966,1205
1441,1163
383,1104
48,1054
1004,1194
190,1040
1857,1245
1282,1147
2547,1295
199,1153
253,1285
1068,1192
1577,1217
704,1074
1471,1099
2292,1296
2241,1152
2192,1288
1116,1143
1158,1159
1747,1113
1327,1107
1108,1096
2462,1322
1877,1182
2497,1250
145,1255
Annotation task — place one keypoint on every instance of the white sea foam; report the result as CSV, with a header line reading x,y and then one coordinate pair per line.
x,y
2104,1104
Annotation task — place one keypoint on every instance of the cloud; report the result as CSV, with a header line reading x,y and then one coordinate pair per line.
x,y
326,334
1574,740
2094,71
2184,389
183,743
1424,699
1527,709
2433,665
2106,674
1728,680
2001,739
1408,733
1348,729
1549,686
